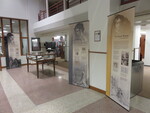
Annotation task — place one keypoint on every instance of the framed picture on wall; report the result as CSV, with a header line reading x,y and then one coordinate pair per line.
x,y
97,36
36,45
127,1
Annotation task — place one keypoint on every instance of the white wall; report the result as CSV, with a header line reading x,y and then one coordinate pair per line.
x,y
22,9
136,41
97,12
147,48
13,8
33,9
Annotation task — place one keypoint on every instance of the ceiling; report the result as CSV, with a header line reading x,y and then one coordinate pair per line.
x,y
144,23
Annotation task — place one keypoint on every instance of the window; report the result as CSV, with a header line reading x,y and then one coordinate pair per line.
x,y
1,38
24,28
6,26
24,37
24,46
15,26
1,50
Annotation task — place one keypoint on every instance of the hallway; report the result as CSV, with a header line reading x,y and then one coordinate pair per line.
x,y
78,100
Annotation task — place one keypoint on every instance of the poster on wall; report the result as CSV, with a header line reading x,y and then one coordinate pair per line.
x,y
79,54
121,33
12,42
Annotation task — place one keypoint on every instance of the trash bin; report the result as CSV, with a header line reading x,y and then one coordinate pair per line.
x,y
136,77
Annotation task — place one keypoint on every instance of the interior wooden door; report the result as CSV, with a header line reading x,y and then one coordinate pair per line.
x,y
142,46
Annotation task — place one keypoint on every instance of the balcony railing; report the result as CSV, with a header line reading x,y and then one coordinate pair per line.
x,y
58,7
71,3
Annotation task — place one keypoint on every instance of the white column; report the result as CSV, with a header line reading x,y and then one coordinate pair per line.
x,y
147,48
136,41
47,9
64,3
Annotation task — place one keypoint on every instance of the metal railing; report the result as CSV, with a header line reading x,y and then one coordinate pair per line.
x,y
71,3
58,7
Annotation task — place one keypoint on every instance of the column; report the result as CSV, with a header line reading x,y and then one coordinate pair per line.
x,y
47,9
64,4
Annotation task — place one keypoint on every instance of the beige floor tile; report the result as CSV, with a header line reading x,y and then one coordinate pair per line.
x,y
18,100
69,103
141,103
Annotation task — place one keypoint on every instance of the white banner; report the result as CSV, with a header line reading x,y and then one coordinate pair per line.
x,y
79,33
13,41
121,33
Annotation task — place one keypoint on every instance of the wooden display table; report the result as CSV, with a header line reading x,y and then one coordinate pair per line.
x,y
41,59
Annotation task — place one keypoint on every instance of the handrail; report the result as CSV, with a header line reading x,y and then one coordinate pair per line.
x,y
71,3
56,4
58,7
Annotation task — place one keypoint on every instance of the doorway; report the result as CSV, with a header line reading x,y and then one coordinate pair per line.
x,y
62,51
142,31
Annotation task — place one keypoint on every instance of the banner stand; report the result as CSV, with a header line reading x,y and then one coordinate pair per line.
x,y
120,30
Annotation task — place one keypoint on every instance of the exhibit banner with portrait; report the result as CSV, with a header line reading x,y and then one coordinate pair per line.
x,y
12,43
120,31
79,42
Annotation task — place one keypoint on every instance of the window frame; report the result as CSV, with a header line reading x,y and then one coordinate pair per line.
x,y
21,37
11,30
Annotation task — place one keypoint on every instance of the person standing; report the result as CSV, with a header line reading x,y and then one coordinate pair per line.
x,y
53,44
61,47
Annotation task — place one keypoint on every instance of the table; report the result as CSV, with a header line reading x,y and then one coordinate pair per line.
x,y
41,59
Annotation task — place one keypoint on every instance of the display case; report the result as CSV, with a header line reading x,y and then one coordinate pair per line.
x,y
40,58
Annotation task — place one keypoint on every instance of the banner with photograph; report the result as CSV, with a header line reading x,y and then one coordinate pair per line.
x,y
121,33
79,54
12,42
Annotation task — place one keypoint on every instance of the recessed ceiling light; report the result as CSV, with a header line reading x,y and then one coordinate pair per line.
x,y
148,20
5,31
7,25
60,77
138,22
143,32
143,24
13,22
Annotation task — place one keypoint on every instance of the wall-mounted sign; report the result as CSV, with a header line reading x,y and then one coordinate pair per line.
x,y
79,54
97,36
127,1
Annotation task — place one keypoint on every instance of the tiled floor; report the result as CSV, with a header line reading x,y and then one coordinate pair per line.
x,y
4,104
73,102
